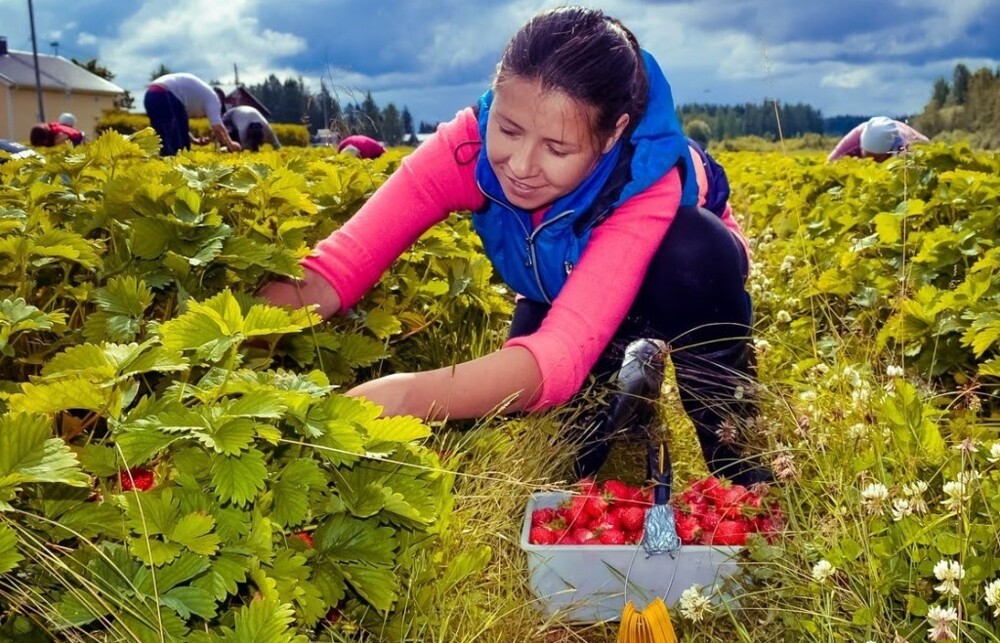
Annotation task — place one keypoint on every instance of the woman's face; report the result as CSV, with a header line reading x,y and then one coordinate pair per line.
x,y
540,143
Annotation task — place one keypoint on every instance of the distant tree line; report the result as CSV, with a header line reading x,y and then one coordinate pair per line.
x,y
968,105
753,119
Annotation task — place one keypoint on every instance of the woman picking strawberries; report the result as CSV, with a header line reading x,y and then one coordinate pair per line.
x,y
584,193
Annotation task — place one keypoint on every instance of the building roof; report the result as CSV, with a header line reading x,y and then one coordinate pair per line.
x,y
55,72
243,96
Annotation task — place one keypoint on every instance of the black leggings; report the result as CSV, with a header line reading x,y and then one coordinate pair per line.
x,y
692,297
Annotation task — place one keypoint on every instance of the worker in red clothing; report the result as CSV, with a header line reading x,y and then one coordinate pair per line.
x,y
361,146
51,134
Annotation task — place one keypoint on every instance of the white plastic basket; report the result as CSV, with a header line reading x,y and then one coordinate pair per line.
x,y
592,583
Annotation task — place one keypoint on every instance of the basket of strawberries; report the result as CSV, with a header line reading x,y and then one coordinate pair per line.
x,y
585,560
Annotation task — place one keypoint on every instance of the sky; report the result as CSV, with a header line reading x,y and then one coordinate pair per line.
x,y
434,57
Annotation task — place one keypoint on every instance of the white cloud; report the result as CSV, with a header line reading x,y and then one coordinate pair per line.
x,y
850,79
85,39
203,37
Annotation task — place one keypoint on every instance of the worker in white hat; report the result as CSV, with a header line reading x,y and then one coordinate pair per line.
x,y
877,138
67,119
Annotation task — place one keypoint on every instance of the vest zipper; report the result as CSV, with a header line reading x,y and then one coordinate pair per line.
x,y
534,259
529,237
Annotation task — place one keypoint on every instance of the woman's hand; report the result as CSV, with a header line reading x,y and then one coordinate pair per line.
x,y
312,289
508,379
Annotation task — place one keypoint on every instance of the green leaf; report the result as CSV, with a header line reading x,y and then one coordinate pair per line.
x,y
9,556
377,585
401,428
153,551
228,571
382,324
265,621
101,461
29,454
190,600
948,544
186,567
291,502
239,479
271,320
74,392
194,531
344,538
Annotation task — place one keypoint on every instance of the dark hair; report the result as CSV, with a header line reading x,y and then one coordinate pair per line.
x,y
255,136
222,98
42,136
585,54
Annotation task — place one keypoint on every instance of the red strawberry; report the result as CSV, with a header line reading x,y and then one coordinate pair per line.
x,y
542,516
574,511
632,518
612,537
305,537
617,491
596,507
730,532
587,486
583,536
138,478
541,536
333,615
730,501
705,485
688,528
709,521
560,535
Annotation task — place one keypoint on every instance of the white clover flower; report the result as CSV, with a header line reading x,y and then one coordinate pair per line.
x,y
762,345
914,491
784,317
851,376
874,497
993,596
807,396
901,508
894,371
694,604
857,431
994,455
787,264
949,572
957,492
942,620
823,571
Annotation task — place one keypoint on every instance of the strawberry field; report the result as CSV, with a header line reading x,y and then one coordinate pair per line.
x,y
177,462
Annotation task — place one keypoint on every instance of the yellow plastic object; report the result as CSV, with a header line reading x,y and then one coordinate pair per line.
x,y
651,625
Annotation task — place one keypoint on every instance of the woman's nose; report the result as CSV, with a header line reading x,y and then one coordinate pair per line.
x,y
522,161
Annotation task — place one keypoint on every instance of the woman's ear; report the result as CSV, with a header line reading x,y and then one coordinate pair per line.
x,y
617,134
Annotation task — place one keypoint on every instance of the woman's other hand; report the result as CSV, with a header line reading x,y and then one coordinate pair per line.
x,y
311,289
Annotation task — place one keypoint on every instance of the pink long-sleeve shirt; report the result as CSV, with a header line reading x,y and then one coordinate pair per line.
x,y
439,178
850,144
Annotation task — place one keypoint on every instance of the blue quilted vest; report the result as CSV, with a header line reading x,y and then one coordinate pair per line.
x,y
536,261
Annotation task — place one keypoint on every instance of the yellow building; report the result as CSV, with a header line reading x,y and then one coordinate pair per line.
x,y
66,87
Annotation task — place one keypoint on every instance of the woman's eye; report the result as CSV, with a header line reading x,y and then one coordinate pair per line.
x,y
558,153
507,132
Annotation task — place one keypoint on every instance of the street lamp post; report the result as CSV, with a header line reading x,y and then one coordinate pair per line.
x,y
34,54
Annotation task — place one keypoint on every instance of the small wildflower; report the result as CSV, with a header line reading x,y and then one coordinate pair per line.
x,y
823,570
761,345
894,371
874,497
993,596
956,495
783,464
942,620
994,455
783,317
949,572
694,605
968,446
787,264
857,431
901,508
914,491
